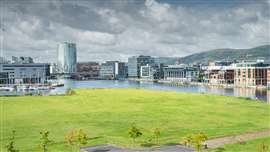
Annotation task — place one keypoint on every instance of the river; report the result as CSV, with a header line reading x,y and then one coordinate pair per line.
x,y
252,93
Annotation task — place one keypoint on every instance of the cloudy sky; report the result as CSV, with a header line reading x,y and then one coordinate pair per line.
x,y
117,29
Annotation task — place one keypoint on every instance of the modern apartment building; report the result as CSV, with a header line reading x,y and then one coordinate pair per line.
x,y
24,73
135,63
67,58
251,73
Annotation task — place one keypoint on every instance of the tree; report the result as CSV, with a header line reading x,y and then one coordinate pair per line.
x,y
76,137
134,132
11,145
157,134
263,147
44,140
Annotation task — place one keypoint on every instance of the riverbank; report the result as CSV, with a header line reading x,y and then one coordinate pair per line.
x,y
107,114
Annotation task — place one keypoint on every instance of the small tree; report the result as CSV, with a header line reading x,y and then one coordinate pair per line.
x,y
157,134
11,145
196,141
76,137
187,141
134,132
70,92
44,140
263,147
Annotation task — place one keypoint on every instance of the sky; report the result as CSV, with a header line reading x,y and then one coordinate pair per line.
x,y
117,29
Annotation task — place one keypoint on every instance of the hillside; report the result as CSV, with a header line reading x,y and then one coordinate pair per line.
x,y
229,54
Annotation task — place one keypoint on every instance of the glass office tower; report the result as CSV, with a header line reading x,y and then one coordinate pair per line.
x,y
67,58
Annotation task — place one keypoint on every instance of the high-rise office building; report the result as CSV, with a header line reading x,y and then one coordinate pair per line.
x,y
67,58
135,63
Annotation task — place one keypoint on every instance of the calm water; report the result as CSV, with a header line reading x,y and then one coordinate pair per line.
x,y
240,92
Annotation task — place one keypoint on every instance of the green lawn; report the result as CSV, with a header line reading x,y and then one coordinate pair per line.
x,y
250,146
106,115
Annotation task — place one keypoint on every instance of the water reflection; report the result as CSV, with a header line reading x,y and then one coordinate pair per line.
x,y
240,92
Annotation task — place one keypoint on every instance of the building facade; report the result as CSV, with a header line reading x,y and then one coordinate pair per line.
x,y
21,60
87,70
180,73
215,74
67,58
113,70
135,63
24,73
249,74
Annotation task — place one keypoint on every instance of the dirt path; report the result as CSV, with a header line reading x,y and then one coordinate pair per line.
x,y
219,142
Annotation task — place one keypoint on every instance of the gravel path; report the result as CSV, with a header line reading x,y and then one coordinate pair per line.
x,y
110,148
219,142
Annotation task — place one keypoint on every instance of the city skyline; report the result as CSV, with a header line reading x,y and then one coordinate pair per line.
x,y
116,30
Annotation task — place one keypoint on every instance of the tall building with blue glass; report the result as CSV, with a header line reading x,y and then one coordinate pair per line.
x,y
67,58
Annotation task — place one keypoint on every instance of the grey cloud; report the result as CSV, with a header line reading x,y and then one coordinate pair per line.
x,y
114,30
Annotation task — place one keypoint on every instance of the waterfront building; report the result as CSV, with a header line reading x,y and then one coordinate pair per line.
x,y
24,73
251,73
135,63
218,74
87,70
67,58
113,70
180,73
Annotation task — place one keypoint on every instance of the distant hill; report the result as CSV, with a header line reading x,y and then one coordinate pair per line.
x,y
262,52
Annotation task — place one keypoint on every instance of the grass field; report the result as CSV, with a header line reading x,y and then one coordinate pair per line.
x,y
250,146
106,115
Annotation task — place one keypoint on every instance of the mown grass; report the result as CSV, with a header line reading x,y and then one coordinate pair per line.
x,y
106,115
249,146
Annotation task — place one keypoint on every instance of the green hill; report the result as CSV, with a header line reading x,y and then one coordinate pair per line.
x,y
262,52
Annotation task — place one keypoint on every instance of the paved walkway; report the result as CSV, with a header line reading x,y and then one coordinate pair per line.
x,y
109,148
219,142
211,144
